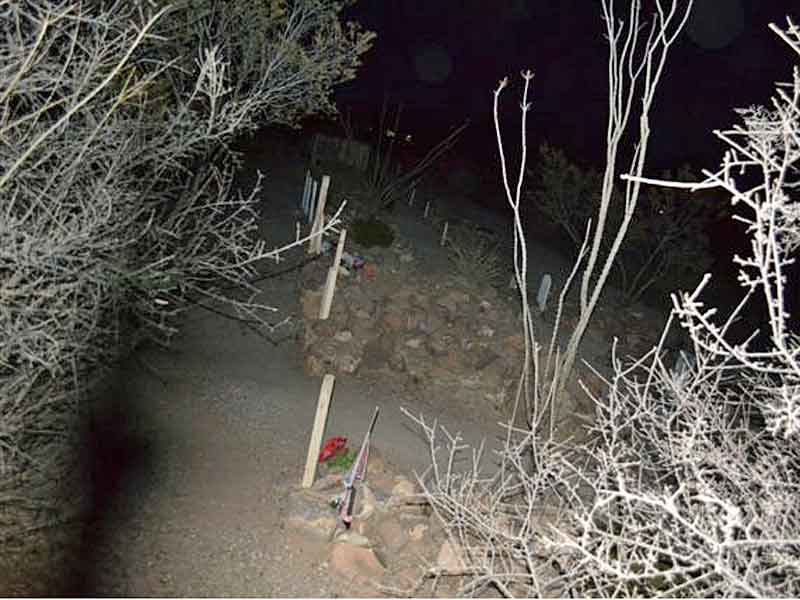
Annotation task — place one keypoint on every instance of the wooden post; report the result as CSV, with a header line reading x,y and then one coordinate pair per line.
x,y
312,211
312,201
323,402
306,194
319,219
330,282
444,234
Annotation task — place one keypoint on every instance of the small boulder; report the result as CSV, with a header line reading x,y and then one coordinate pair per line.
x,y
391,533
485,331
440,343
366,503
354,563
310,301
380,482
415,363
343,336
311,513
409,578
347,364
403,489
413,342
417,532
348,536
393,320
514,344
362,314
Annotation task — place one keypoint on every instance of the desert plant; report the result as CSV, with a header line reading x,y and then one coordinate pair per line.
x,y
387,183
565,194
301,45
688,484
474,255
666,245
634,69
719,465
116,190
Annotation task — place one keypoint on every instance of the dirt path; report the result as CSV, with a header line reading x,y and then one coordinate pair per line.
x,y
196,448
200,444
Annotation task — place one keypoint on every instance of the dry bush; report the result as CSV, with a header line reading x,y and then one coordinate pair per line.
x,y
666,246
474,255
688,484
115,188
565,194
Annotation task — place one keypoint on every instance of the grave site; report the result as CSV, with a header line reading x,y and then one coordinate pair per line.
x,y
270,333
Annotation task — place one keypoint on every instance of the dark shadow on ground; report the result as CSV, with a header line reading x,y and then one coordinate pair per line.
x,y
117,459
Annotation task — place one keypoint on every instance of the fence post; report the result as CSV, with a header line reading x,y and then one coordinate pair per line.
x,y
323,402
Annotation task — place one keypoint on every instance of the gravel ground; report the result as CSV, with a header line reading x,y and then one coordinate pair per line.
x,y
208,437
201,443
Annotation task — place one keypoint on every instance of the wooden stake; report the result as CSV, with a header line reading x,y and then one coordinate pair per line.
x,y
312,202
330,282
444,234
427,208
339,249
306,194
319,219
323,402
312,211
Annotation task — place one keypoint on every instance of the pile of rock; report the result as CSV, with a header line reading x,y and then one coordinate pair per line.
x,y
401,321
392,529
428,334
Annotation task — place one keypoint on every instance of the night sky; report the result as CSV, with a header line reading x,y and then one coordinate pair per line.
x,y
443,59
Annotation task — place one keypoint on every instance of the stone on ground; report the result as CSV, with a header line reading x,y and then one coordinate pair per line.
x,y
354,563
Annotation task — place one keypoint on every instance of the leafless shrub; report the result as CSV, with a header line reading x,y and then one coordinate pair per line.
x,y
474,255
690,494
115,189
666,246
494,517
565,194
688,485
